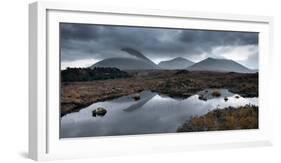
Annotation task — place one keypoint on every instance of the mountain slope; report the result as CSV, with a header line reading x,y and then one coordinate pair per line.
x,y
176,63
138,62
136,53
219,65
125,64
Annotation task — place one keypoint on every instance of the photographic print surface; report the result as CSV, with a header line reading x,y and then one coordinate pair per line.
x,y
125,80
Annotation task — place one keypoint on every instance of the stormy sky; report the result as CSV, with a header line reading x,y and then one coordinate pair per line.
x,y
83,44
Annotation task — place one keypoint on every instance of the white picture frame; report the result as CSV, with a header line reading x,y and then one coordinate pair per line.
x,y
44,142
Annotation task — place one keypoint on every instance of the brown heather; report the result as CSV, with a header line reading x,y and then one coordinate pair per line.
x,y
230,118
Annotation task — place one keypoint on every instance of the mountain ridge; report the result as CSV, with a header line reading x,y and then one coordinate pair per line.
x,y
139,63
175,63
219,65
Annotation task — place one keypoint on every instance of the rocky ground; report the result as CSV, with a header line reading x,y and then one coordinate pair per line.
x,y
174,83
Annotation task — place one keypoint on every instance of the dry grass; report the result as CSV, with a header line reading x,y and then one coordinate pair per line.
x,y
245,117
173,83
216,93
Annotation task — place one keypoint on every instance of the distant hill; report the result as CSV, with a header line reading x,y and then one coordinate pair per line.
x,y
176,63
219,65
136,61
87,74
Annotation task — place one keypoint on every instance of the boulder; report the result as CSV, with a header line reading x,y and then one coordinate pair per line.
x,y
225,98
100,111
202,97
136,97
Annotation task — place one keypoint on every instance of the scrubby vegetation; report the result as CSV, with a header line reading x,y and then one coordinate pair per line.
x,y
88,74
173,83
216,93
244,117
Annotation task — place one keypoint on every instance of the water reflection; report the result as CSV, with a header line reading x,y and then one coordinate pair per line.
x,y
153,113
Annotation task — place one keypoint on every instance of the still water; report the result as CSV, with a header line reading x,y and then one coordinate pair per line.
x,y
152,113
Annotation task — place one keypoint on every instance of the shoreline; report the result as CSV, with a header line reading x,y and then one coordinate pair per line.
x,y
173,83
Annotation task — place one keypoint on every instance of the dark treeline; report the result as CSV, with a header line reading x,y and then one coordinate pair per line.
x,y
90,74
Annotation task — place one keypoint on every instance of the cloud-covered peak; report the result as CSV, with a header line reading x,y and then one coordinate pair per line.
x,y
98,42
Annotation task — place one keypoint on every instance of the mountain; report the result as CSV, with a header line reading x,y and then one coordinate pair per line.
x,y
136,61
219,65
137,54
126,64
176,63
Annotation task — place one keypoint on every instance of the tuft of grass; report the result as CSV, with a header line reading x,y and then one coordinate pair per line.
x,y
216,93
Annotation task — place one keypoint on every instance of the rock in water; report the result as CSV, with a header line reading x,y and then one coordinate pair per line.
x,y
136,97
99,111
225,99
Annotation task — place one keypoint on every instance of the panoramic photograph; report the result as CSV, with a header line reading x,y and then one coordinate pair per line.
x,y
128,80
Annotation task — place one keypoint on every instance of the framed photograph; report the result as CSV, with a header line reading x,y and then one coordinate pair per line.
x,y
111,81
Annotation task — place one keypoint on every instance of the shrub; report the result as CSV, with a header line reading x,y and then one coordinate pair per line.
x,y
90,74
216,93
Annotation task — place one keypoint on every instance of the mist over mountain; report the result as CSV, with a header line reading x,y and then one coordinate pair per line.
x,y
125,64
139,62
176,63
219,65
137,54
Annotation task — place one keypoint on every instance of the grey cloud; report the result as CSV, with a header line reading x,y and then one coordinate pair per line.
x,y
252,61
82,41
83,32
213,38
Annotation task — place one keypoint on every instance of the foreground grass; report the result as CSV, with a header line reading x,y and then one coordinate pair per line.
x,y
244,117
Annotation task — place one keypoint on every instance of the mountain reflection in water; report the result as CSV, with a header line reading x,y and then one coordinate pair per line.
x,y
152,113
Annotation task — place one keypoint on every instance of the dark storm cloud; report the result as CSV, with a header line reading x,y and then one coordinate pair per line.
x,y
82,41
215,38
102,41
79,32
